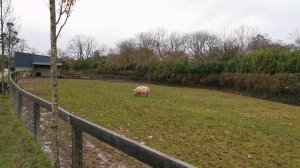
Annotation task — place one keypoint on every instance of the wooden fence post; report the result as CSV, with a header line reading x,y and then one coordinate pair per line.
x,y
20,104
36,118
76,147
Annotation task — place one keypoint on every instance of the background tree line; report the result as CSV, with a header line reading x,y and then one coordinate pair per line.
x,y
242,50
243,60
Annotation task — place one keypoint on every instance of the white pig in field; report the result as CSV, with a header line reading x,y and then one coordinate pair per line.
x,y
141,90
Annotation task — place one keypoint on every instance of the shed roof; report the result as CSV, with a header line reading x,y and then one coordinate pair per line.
x,y
45,63
27,60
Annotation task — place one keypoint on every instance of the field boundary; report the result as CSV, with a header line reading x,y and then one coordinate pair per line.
x,y
79,126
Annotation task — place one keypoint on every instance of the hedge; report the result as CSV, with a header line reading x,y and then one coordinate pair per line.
x,y
284,87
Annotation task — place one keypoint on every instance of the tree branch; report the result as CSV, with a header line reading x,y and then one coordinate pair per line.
x,y
66,19
60,12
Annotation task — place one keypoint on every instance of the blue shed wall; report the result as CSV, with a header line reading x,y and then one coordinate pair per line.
x,y
23,60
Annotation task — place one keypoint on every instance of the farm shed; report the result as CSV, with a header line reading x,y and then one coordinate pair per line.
x,y
35,65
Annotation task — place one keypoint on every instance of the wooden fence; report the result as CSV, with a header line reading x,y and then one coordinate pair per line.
x,y
79,126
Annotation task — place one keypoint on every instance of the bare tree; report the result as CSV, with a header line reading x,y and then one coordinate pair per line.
x,y
295,35
6,15
176,43
205,46
160,42
243,35
101,50
197,44
59,20
127,50
22,46
159,39
60,53
90,46
126,45
145,40
230,47
76,46
81,47
214,47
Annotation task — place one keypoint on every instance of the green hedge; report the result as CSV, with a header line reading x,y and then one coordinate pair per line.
x,y
282,87
269,61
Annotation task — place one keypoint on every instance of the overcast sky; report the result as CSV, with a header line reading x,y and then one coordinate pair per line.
x,y
113,20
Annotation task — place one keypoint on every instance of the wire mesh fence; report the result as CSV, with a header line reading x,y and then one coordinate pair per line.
x,y
81,143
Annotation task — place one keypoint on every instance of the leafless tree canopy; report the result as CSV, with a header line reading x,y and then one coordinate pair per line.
x,y
145,40
159,39
82,47
176,43
243,35
295,35
160,44
202,45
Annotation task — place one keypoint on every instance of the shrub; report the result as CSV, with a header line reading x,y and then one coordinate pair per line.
x,y
130,66
204,69
269,61
282,86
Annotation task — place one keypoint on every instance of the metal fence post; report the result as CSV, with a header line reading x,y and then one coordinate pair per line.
x,y
76,147
36,120
20,104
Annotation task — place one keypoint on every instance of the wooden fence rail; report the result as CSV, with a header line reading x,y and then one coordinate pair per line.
x,y
79,126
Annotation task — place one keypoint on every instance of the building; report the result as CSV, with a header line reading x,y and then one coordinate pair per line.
x,y
35,65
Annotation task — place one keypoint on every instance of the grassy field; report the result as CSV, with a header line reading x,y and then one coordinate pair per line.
x,y
17,147
202,127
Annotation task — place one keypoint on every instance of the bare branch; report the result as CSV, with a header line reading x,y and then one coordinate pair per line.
x,y
60,12
66,19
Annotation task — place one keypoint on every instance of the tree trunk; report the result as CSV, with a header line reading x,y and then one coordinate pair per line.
x,y
54,125
2,48
9,54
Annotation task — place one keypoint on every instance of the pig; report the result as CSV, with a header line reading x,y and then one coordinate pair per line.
x,y
141,91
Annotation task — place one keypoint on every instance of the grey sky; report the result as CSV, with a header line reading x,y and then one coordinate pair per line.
x,y
112,20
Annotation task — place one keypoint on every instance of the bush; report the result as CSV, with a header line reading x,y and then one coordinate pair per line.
x,y
82,65
204,69
269,61
130,66
282,86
